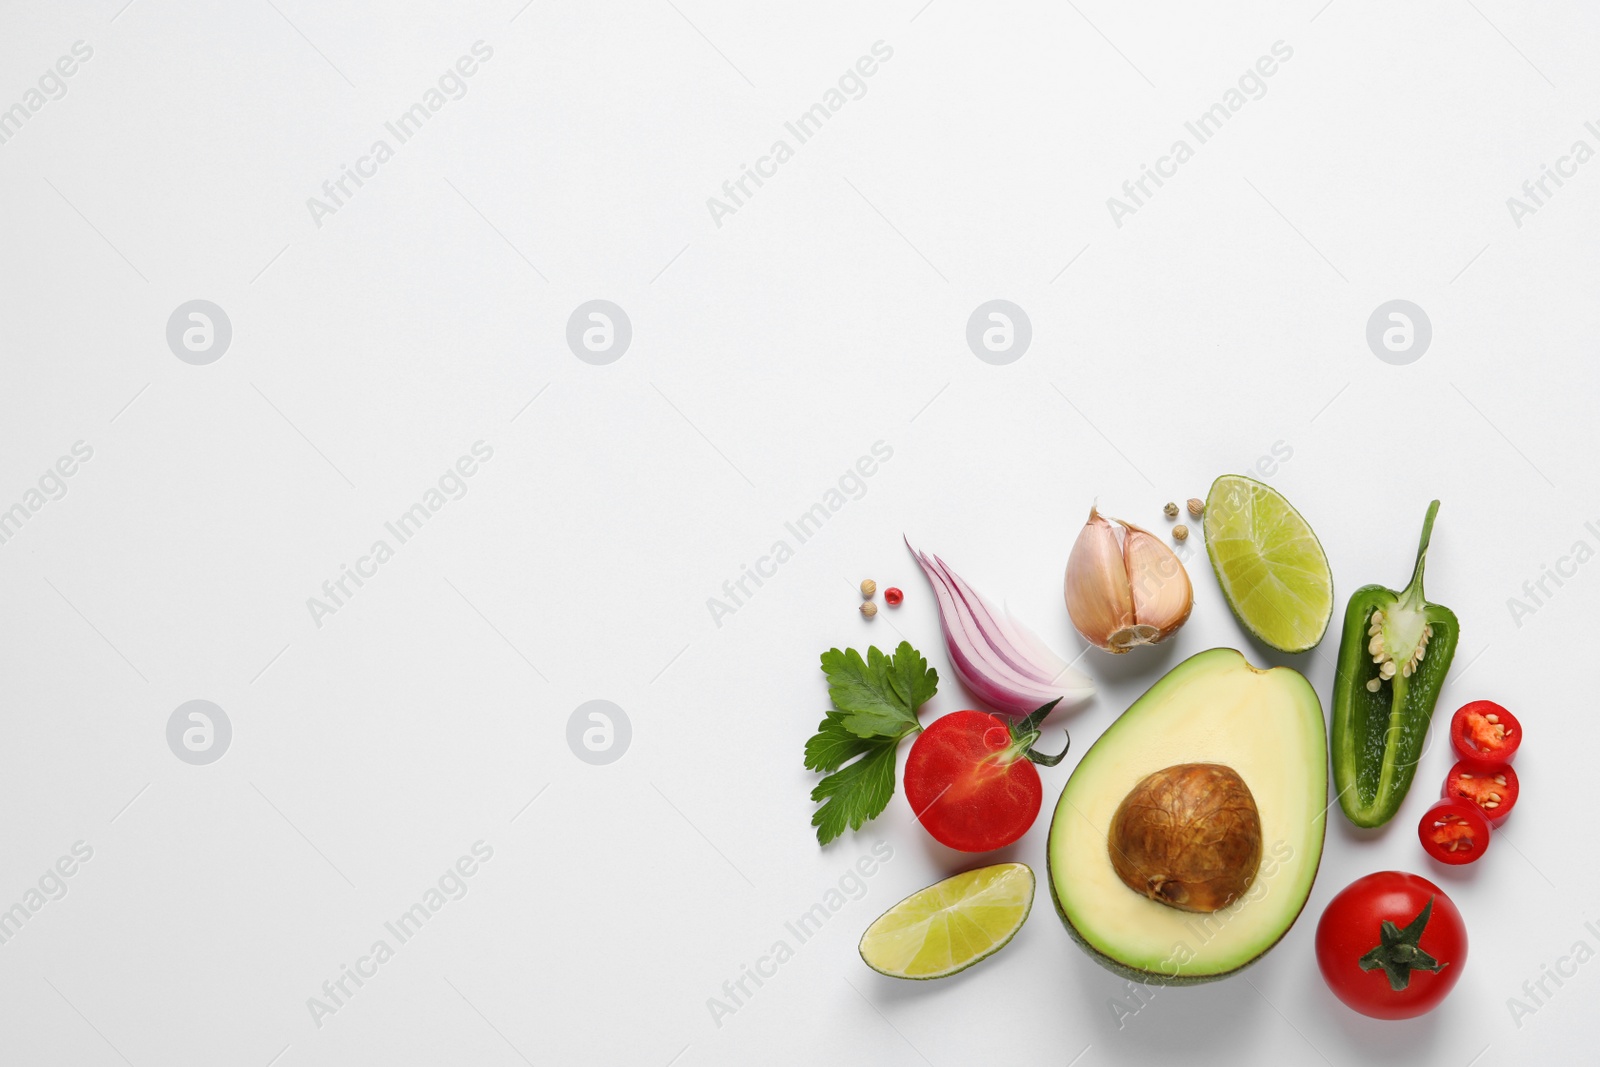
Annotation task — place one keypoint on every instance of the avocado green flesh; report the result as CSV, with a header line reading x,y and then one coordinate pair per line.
x,y
1212,708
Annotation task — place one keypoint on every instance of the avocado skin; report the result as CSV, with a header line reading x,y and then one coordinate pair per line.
x,y
1157,978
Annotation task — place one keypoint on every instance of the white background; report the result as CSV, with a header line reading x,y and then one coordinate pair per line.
x,y
1225,317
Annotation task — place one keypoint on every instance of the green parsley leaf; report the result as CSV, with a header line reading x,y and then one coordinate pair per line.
x,y
832,746
857,793
875,706
913,682
878,696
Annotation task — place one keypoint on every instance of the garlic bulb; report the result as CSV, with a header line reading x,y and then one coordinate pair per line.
x,y
1125,590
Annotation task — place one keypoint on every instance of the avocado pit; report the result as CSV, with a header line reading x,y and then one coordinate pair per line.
x,y
1187,836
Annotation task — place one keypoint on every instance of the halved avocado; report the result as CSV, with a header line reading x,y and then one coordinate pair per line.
x,y
1213,708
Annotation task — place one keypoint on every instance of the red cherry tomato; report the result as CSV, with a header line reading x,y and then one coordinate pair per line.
x,y
970,778
1485,732
1361,941
1491,786
1454,831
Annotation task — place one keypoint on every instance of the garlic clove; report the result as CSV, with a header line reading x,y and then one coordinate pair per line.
x,y
1099,599
1132,637
1162,595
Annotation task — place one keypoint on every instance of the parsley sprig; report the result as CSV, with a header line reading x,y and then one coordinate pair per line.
x,y
875,704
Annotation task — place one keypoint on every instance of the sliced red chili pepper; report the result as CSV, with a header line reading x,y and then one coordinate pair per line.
x,y
1484,732
1491,786
1454,831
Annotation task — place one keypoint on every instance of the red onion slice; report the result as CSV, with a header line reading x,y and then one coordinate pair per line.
x,y
997,631
998,658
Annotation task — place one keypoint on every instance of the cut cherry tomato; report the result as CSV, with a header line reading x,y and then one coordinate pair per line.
x,y
1484,732
970,778
1454,831
1491,786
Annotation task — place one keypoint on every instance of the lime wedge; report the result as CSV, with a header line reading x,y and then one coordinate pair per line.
x,y
950,925
1270,565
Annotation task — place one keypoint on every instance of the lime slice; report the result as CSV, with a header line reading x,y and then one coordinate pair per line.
x,y
1270,565
950,925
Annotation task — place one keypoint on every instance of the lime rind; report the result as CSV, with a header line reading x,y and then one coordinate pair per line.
x,y
950,925
1270,565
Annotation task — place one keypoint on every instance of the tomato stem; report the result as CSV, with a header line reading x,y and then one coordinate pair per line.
x,y
1399,952
1026,731
1049,761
